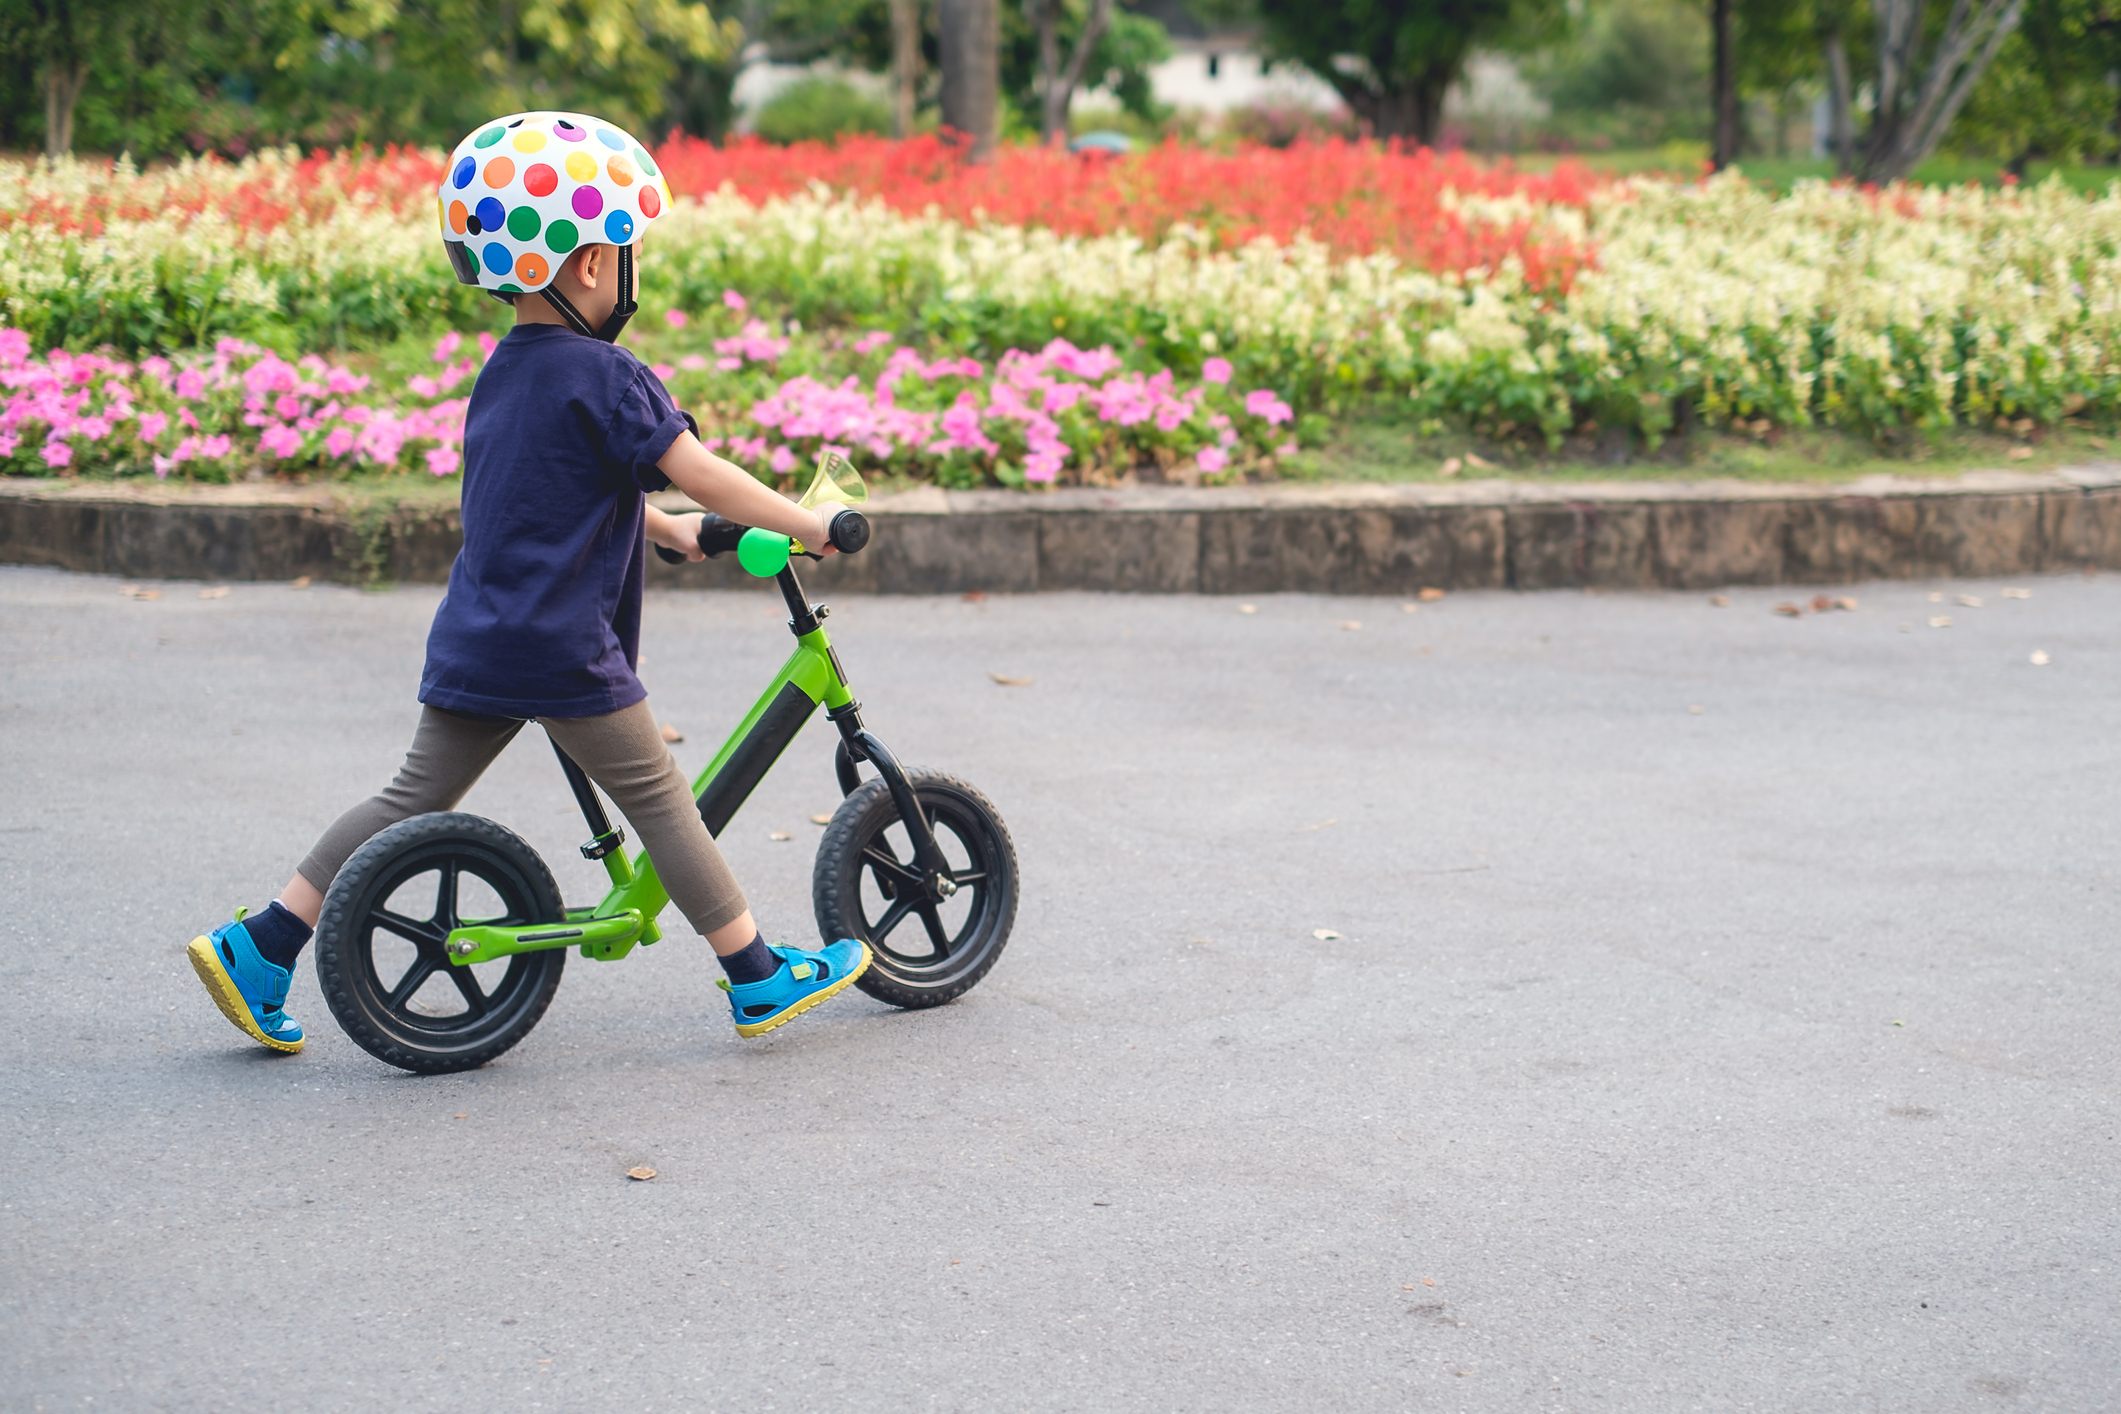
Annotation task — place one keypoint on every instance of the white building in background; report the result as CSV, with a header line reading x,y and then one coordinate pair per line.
x,y
1215,75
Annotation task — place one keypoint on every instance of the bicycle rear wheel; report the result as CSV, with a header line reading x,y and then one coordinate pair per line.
x,y
380,955
924,951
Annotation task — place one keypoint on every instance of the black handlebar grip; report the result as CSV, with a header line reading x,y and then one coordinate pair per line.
x,y
669,555
850,531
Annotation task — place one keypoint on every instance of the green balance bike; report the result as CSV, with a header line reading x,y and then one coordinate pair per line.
x,y
442,939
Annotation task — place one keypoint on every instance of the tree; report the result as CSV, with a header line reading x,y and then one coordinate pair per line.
x,y
1056,84
1392,60
1925,76
971,35
1723,85
905,65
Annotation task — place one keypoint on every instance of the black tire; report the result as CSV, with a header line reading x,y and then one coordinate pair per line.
x,y
857,891
405,1019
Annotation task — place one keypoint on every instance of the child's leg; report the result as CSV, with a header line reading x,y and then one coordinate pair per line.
x,y
624,753
248,963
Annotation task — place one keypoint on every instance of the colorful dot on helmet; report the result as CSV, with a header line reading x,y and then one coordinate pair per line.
x,y
621,171
532,269
466,170
588,202
500,172
540,180
491,213
644,161
488,138
611,139
497,258
567,132
528,140
510,289
562,236
523,223
618,228
457,213
651,204
581,166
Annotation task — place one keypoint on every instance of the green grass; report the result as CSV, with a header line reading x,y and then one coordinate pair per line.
x,y
1781,173
1384,446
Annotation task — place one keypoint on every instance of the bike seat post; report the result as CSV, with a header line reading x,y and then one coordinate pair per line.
x,y
606,841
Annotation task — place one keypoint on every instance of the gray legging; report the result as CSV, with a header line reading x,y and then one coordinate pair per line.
x,y
622,752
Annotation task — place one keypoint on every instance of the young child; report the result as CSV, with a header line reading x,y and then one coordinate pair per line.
x,y
564,434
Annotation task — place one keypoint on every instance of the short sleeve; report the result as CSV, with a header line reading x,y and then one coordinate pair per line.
x,y
642,428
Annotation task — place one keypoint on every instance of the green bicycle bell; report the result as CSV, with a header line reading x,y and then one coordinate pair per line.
x,y
763,553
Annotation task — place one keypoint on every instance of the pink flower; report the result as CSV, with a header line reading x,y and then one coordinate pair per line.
x,y
14,348
875,339
1261,402
288,406
1211,460
729,363
423,387
447,345
487,344
216,447
692,363
191,384
57,454
735,301
282,442
443,460
338,442
1217,371
662,370
163,464
1286,449
676,318
782,461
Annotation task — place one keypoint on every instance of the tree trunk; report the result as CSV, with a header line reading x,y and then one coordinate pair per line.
x,y
1918,97
1415,111
971,36
1726,87
905,64
1056,85
1840,125
63,82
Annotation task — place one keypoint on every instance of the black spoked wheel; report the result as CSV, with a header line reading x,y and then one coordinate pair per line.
x,y
927,950
380,957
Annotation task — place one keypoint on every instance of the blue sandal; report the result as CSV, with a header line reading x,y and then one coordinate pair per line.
x,y
804,980
249,990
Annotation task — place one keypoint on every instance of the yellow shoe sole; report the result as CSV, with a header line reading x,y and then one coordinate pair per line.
x,y
760,1028
222,988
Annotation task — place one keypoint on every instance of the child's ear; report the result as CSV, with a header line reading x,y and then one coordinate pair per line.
x,y
587,264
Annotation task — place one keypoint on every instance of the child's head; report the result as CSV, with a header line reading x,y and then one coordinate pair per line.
x,y
552,204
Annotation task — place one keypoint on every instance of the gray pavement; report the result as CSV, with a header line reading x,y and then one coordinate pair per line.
x,y
1756,1057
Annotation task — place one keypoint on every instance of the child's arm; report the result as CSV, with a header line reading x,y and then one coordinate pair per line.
x,y
730,492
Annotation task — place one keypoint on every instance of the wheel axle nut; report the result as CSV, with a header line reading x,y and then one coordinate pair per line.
x,y
464,948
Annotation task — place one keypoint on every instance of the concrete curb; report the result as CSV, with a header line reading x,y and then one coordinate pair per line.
x,y
1176,540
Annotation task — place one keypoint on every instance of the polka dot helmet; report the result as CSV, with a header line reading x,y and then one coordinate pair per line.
x,y
524,190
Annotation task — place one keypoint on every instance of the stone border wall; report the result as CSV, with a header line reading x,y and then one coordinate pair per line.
x,y
1355,540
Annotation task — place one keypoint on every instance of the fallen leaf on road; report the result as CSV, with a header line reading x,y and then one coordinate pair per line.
x,y
1306,829
219,591
780,835
1324,935
147,594
1972,601
301,583
1846,602
1821,604
1248,608
460,1116
1410,608
1695,710
1429,594
1936,596
671,733
1720,601
2039,658
1009,681
1789,611
1351,625
2019,454
974,596
1940,621
2017,593
821,819
641,1174
1451,467
1899,1023
1428,1281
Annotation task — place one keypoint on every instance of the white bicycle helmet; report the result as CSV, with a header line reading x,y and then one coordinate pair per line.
x,y
524,191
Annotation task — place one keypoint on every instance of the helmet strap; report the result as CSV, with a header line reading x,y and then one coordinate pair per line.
x,y
620,313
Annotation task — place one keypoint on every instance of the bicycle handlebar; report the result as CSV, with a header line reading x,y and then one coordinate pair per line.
x,y
847,528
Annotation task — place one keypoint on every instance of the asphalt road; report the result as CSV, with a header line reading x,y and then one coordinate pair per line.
x,y
1760,1056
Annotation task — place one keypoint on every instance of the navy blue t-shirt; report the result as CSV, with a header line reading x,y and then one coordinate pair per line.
x,y
543,613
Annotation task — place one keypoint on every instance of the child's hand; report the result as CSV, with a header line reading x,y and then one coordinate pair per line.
x,y
822,543
679,533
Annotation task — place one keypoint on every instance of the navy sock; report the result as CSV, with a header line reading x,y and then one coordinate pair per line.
x,y
280,935
754,963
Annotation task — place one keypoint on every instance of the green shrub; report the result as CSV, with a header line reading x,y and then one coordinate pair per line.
x,y
817,109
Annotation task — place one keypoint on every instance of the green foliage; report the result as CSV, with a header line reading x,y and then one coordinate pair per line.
x,y
1119,62
819,109
1636,75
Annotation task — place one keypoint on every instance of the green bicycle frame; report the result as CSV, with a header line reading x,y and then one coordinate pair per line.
x,y
627,915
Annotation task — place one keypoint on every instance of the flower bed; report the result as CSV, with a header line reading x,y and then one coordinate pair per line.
x,y
1122,320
